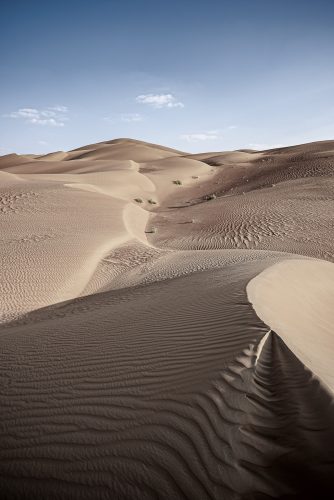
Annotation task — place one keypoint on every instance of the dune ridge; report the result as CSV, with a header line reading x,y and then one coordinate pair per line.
x,y
167,323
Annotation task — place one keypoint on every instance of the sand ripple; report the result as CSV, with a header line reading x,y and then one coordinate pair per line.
x,y
161,339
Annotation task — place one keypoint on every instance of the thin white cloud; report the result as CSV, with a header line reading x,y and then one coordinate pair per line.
x,y
159,100
53,116
60,109
124,117
205,136
215,132
131,117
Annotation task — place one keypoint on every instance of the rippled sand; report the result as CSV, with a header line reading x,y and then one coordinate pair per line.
x,y
166,324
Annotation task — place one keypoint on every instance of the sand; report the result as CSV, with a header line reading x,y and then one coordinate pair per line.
x,y
295,298
166,323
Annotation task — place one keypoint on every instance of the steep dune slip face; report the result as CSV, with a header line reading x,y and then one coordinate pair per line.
x,y
167,324
296,299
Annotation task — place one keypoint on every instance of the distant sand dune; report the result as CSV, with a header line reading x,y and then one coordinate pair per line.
x,y
167,324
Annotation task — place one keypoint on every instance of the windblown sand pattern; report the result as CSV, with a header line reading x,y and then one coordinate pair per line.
x,y
167,324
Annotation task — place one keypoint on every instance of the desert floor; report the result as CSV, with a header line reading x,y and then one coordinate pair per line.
x,y
167,324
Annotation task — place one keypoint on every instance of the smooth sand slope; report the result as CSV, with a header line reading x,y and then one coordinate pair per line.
x,y
167,324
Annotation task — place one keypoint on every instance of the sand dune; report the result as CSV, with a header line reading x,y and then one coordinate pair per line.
x,y
298,311
167,323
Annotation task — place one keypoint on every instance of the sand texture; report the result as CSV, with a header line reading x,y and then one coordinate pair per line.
x,y
166,324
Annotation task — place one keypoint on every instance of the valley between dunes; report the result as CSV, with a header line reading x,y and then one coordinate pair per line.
x,y
166,323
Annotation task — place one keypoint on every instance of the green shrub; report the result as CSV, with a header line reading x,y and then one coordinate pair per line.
x,y
210,197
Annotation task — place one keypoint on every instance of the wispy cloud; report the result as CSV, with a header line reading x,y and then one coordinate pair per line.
x,y
61,109
159,100
207,135
53,116
124,117
131,117
211,135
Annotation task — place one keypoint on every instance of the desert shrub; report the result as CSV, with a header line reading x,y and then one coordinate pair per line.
x,y
210,197
138,200
177,182
194,176
152,202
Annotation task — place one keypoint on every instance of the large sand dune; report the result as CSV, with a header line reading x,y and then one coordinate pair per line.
x,y
167,324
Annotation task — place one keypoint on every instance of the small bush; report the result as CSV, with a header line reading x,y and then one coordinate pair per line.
x,y
210,197
149,231
177,182
152,202
194,176
138,200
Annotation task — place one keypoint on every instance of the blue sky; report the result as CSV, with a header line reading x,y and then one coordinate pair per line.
x,y
197,76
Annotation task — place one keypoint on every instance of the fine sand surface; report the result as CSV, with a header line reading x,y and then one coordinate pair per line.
x,y
167,324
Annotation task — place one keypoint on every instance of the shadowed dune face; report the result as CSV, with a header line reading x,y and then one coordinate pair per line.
x,y
165,335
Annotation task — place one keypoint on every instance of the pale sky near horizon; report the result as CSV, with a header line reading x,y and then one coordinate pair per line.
x,y
198,76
